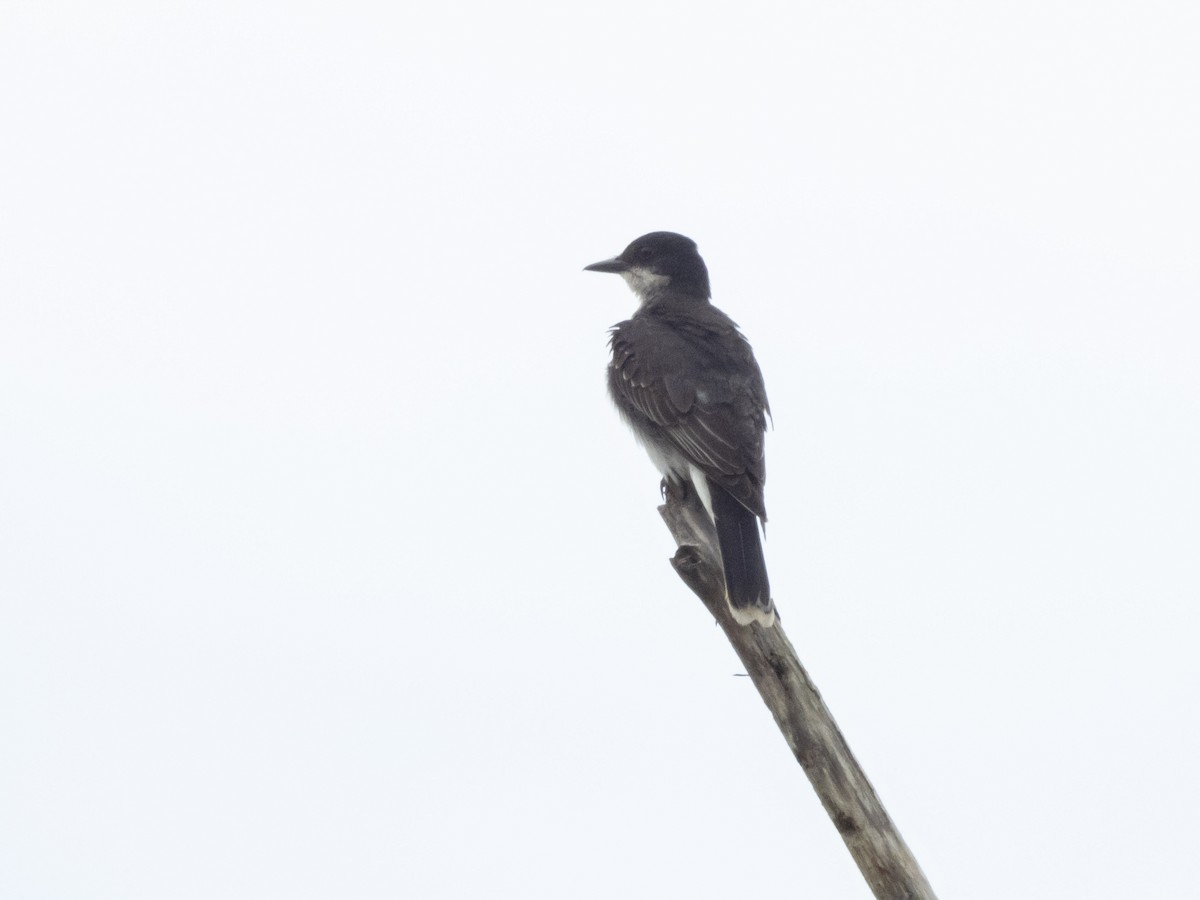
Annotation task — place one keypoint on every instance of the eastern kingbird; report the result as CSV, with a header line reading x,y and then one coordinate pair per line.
x,y
685,380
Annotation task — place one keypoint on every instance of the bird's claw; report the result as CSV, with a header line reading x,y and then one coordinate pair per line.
x,y
673,490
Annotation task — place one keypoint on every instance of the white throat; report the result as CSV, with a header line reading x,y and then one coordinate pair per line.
x,y
644,283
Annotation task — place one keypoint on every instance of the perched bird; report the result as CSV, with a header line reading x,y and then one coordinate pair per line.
x,y
685,380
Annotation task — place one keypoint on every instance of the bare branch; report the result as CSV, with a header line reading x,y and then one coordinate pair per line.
x,y
877,847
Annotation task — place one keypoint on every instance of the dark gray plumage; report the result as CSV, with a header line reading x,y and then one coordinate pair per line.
x,y
685,380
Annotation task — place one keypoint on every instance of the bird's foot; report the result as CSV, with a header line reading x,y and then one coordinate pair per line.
x,y
673,490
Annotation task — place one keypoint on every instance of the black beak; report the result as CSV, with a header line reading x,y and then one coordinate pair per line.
x,y
616,264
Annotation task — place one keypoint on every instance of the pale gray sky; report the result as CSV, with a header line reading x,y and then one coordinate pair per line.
x,y
327,570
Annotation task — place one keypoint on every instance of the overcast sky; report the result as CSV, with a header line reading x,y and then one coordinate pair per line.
x,y
327,569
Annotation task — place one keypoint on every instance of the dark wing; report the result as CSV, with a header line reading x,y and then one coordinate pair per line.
x,y
691,380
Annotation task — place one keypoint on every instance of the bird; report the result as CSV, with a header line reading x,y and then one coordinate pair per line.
x,y
684,379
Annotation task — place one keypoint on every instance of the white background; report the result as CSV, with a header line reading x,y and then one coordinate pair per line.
x,y
327,570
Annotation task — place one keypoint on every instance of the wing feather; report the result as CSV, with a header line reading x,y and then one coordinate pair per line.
x,y
700,389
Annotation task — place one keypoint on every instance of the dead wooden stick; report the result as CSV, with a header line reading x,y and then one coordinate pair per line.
x,y
881,854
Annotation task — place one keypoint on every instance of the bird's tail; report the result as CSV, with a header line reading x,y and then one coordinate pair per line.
x,y
746,584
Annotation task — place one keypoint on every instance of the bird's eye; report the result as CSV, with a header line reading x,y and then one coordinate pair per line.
x,y
645,252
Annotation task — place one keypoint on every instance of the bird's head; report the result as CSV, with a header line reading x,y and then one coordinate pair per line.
x,y
659,264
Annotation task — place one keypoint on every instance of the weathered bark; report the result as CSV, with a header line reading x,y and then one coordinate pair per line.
x,y
881,854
